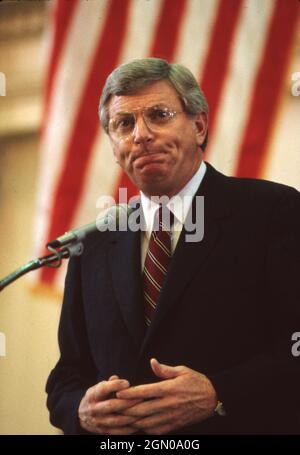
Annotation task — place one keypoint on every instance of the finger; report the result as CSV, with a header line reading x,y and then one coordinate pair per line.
x,y
157,420
116,431
116,421
112,378
141,392
164,371
150,407
104,388
112,406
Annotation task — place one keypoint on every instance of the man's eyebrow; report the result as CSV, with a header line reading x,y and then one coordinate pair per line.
x,y
157,105
123,113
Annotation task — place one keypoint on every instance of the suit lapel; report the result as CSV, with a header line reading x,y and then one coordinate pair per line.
x,y
189,257
125,264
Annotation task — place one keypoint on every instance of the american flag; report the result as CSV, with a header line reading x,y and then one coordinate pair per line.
x,y
239,51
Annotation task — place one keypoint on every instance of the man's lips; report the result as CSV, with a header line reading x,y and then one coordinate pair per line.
x,y
148,158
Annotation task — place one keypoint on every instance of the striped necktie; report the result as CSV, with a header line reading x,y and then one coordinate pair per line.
x,y
157,260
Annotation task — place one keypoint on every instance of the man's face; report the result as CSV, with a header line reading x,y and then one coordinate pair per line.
x,y
159,161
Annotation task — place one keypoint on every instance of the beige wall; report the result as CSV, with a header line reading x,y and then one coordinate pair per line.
x,y
28,320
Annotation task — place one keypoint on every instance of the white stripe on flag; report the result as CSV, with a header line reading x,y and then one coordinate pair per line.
x,y
101,177
142,22
283,161
249,42
195,34
69,82
103,172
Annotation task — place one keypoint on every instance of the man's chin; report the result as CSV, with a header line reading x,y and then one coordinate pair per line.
x,y
152,177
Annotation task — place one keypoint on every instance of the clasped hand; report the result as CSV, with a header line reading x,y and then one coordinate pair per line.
x,y
183,397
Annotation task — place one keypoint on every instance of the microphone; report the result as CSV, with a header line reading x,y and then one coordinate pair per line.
x,y
119,213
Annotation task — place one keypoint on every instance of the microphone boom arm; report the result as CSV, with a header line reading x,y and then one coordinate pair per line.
x,y
68,244
56,256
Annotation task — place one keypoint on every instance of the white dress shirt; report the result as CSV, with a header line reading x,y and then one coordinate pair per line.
x,y
179,205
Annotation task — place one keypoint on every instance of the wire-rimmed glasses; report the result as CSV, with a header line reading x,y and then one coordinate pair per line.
x,y
122,125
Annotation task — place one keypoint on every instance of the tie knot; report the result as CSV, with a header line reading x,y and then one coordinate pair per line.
x,y
163,219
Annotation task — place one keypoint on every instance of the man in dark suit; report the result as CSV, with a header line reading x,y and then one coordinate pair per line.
x,y
214,354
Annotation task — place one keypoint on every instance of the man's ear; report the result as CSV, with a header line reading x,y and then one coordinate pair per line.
x,y
201,124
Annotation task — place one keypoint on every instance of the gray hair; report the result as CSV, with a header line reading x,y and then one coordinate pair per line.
x,y
128,78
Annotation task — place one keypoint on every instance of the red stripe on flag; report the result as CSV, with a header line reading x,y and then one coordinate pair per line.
x,y
167,30
163,46
218,56
269,82
86,125
62,14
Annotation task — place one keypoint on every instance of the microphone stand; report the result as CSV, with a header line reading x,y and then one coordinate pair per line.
x,y
54,259
67,245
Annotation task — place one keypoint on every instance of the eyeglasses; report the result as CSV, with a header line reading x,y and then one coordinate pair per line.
x,y
122,125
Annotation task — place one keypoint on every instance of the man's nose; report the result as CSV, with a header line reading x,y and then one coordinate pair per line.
x,y
141,132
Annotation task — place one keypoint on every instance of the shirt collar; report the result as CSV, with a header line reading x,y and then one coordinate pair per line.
x,y
179,204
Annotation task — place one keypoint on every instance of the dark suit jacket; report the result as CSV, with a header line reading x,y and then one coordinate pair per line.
x,y
228,309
